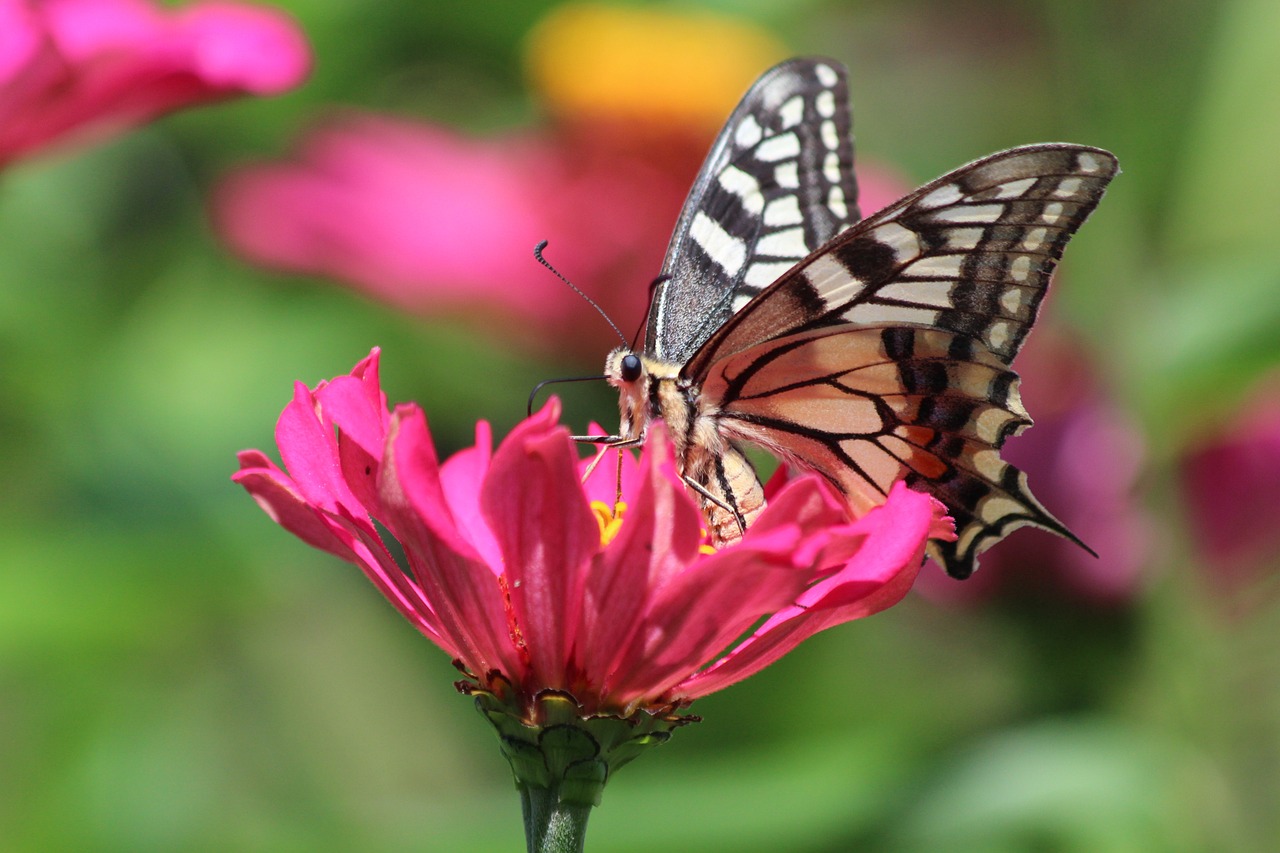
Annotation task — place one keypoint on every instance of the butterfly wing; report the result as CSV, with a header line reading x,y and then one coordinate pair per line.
x,y
777,184
885,355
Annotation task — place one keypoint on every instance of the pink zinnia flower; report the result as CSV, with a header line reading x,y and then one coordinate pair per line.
x,y
559,610
431,221
82,68
1231,482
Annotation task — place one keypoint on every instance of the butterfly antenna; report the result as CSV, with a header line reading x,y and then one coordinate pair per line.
x,y
536,388
537,253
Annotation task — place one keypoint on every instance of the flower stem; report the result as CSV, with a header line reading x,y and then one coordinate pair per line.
x,y
552,825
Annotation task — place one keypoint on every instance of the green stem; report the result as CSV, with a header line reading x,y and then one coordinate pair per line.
x,y
550,824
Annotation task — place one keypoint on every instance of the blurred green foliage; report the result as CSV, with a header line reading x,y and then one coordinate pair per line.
x,y
177,673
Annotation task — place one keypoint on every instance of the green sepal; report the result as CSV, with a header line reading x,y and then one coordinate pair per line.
x,y
551,744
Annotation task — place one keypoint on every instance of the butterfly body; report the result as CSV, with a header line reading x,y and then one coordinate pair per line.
x,y
717,471
869,351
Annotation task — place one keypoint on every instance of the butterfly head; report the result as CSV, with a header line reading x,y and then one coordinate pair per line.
x,y
625,370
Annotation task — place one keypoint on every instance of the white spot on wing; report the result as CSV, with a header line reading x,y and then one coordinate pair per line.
x,y
784,210
945,194
1034,239
1020,267
831,167
1052,212
723,248
968,213
1015,188
964,238
784,146
826,76
792,112
870,314
826,103
990,423
1011,301
936,266
836,204
764,273
935,293
1086,162
788,243
787,176
744,187
998,335
1068,187
829,136
828,276
904,242
989,464
748,132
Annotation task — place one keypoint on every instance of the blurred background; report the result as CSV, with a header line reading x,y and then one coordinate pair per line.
x,y
178,673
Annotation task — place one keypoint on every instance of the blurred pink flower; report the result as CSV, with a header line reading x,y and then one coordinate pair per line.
x,y
515,573
1083,458
428,220
85,68
1231,483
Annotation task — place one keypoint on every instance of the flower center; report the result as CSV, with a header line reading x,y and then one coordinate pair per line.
x,y
609,519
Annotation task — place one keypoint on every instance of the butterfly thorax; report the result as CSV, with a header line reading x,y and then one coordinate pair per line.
x,y
717,472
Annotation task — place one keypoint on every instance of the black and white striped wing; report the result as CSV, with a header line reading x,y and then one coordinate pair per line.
x,y
777,184
886,354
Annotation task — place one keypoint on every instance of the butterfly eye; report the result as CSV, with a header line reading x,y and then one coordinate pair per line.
x,y
630,368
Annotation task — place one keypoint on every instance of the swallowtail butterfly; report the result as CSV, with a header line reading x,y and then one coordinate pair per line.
x,y
868,350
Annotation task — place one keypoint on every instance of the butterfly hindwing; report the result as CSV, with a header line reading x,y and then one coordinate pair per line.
x,y
885,354
777,184
866,407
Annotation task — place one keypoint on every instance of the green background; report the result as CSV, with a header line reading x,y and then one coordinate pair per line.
x,y
177,673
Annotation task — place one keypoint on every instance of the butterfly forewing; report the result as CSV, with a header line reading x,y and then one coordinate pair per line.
x,y
885,354
971,253
777,184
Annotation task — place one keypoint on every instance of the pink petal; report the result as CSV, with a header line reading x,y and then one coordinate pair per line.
x,y
463,591
413,214
877,577
280,500
461,477
660,535
309,450
701,611
254,49
535,505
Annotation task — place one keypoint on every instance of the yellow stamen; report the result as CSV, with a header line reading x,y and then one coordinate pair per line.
x,y
610,520
705,547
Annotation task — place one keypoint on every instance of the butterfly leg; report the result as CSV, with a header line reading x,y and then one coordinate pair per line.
x,y
719,502
607,443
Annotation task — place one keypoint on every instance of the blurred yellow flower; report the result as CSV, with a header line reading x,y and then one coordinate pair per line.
x,y
646,66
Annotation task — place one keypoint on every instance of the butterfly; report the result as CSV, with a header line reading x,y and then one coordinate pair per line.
x,y
867,350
